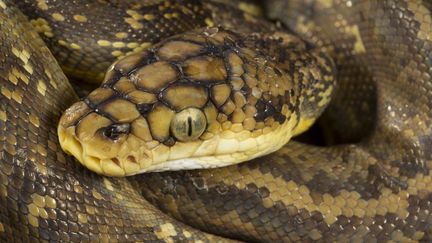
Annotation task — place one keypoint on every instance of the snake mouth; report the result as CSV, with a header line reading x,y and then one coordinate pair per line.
x,y
115,148
128,165
130,156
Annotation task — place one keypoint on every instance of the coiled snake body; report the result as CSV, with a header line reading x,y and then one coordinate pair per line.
x,y
375,190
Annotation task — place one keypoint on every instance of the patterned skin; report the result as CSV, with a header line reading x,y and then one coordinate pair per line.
x,y
376,190
199,100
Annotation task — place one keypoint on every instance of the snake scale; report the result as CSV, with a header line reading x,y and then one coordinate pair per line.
x,y
375,188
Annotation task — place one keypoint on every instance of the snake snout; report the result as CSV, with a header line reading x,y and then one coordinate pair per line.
x,y
101,145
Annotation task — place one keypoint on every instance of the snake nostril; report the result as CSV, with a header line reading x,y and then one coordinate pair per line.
x,y
114,131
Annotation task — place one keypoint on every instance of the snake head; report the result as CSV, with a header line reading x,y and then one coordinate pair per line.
x,y
198,100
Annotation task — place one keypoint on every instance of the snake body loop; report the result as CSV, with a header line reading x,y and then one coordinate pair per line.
x,y
375,190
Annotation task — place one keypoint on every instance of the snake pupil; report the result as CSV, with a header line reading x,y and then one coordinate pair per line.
x,y
188,124
189,121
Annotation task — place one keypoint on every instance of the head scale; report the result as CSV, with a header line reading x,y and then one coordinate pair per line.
x,y
198,100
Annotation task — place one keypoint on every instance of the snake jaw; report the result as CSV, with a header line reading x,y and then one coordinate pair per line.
x,y
221,150
130,157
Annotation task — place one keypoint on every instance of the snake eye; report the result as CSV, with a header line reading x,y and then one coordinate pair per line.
x,y
188,124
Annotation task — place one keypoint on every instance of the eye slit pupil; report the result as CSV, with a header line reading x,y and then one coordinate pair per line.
x,y
189,121
188,124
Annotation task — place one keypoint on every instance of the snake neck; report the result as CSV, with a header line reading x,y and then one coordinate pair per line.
x,y
311,73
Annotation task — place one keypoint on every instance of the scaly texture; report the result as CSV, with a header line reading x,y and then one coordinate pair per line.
x,y
377,190
44,195
86,36
207,98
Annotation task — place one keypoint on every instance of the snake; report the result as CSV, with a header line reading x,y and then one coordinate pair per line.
x,y
239,82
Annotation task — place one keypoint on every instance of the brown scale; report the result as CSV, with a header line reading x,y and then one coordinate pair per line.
x,y
214,76
103,32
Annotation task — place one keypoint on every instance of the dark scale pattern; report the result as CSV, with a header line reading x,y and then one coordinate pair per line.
x,y
262,193
375,191
87,36
381,186
233,83
352,101
44,194
210,49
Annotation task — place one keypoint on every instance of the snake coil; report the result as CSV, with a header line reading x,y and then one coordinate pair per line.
x,y
376,188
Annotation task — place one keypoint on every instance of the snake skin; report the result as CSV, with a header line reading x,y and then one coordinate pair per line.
x,y
245,105
376,190
44,195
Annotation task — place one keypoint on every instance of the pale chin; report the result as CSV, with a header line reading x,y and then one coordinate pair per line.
x,y
186,164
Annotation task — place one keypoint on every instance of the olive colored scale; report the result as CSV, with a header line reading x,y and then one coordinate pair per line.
x,y
88,36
